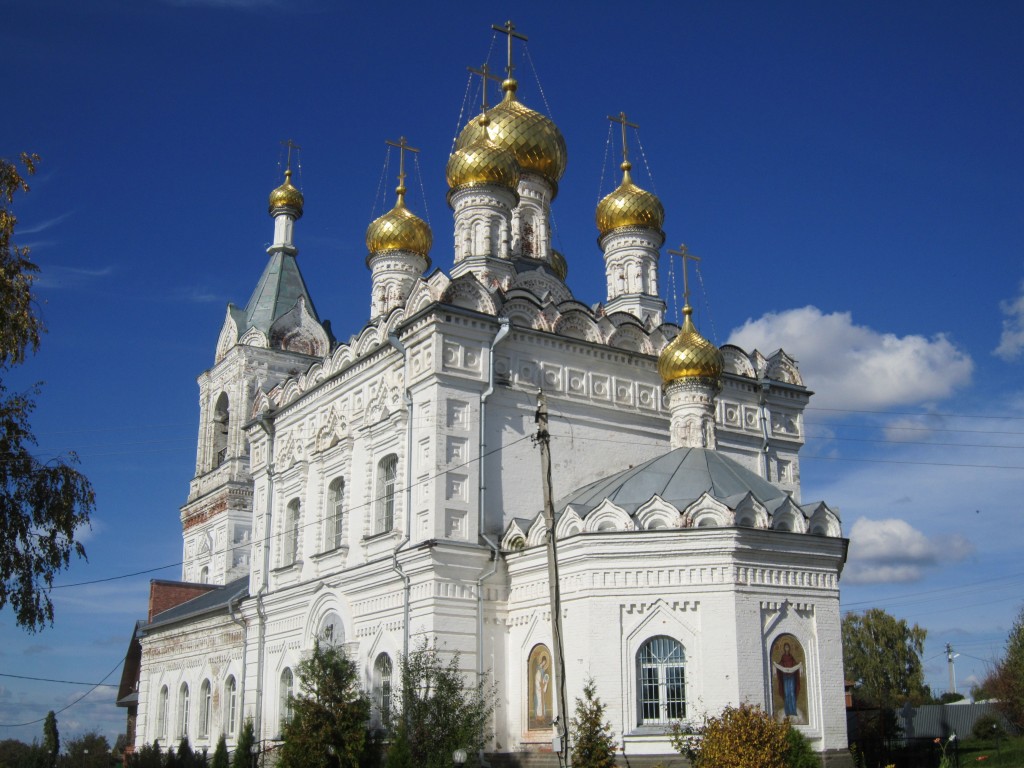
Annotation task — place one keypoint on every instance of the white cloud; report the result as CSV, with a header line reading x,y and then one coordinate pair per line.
x,y
1011,342
856,367
892,550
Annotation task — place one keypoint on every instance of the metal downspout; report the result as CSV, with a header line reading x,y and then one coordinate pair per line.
x,y
267,424
762,401
240,621
395,565
504,329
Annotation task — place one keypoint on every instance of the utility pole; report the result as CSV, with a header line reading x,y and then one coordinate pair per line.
x,y
561,743
952,669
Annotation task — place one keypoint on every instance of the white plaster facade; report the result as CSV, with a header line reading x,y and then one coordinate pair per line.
x,y
388,488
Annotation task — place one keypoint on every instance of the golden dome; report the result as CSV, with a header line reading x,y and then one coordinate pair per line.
x,y
629,206
287,196
689,355
559,264
399,230
481,161
532,138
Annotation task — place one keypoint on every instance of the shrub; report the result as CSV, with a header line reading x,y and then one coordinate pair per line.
x,y
742,737
798,751
592,743
988,727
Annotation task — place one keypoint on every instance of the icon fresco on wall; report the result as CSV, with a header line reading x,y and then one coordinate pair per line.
x,y
789,680
539,685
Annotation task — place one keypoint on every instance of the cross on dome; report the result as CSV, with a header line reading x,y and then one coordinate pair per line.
x,y
509,29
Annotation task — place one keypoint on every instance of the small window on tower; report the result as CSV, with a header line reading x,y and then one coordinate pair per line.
x,y
221,414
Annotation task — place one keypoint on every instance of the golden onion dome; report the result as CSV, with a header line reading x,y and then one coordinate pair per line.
x,y
287,196
534,140
481,161
689,355
629,206
399,230
559,264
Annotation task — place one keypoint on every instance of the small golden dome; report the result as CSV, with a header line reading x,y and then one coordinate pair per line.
x,y
559,264
287,196
629,206
399,230
481,161
532,138
689,355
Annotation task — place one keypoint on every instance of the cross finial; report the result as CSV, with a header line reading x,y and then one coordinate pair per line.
x,y
485,75
510,30
403,147
685,255
291,145
621,119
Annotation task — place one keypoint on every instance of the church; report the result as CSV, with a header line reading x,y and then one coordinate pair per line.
x,y
382,491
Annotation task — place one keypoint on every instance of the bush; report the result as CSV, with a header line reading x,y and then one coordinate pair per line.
x,y
988,727
741,737
592,743
798,751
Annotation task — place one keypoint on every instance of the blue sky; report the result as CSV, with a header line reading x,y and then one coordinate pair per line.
x,y
850,172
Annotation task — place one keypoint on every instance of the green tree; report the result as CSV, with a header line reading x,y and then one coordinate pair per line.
x,y
42,505
90,750
799,753
186,758
220,754
51,739
741,737
593,745
329,715
437,713
243,750
882,655
147,756
1005,683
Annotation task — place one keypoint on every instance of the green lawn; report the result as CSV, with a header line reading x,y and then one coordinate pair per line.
x,y
1009,754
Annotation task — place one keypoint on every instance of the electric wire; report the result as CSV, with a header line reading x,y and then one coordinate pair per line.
x,y
52,680
73,703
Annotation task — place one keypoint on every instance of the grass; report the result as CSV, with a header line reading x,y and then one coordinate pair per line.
x,y
975,752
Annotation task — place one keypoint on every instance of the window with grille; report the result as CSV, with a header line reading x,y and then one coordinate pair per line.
x,y
290,543
662,681
387,472
221,417
204,709
287,691
382,689
183,710
334,532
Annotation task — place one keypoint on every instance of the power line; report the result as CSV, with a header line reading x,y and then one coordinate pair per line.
x,y
51,680
73,703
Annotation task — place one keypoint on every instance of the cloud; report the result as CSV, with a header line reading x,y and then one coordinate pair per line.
x,y
852,366
56,276
1011,342
43,225
892,550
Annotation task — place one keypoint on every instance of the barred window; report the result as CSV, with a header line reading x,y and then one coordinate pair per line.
x,y
662,683
382,689
204,709
387,472
287,691
333,528
161,714
290,537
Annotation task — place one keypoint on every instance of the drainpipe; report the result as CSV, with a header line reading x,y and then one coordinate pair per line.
x,y
504,328
266,423
395,342
762,402
240,621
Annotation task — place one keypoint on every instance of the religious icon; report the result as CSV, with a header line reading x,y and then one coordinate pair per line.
x,y
789,689
539,685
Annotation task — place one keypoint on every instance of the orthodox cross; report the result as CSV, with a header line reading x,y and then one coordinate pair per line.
x,y
685,256
291,145
510,30
485,75
621,118
403,147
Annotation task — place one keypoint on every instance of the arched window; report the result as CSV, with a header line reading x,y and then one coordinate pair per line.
x,y
333,530
161,714
662,684
387,471
183,710
287,691
382,689
290,535
221,414
205,699
204,575
332,631
230,705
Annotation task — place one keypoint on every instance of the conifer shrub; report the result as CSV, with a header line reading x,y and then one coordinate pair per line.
x,y
592,743
220,754
242,758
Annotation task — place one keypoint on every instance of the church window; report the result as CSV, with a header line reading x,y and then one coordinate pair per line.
x,y
660,672
332,631
290,535
334,530
387,472
204,575
183,710
221,413
230,705
205,699
287,692
161,714
382,689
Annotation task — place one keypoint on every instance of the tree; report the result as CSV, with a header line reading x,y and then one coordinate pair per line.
x,y
328,724
882,655
42,505
437,712
593,745
1005,683
148,756
220,754
51,739
741,737
243,750
90,750
186,758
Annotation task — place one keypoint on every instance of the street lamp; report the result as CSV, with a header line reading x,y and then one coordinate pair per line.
x,y
255,750
459,758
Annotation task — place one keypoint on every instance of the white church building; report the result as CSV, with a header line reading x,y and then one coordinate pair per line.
x,y
388,489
